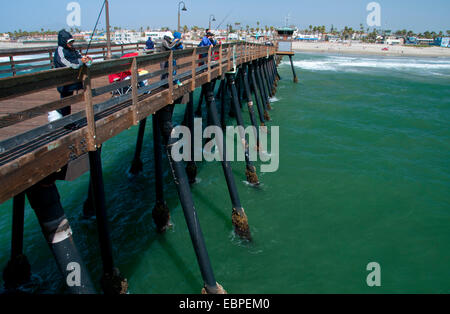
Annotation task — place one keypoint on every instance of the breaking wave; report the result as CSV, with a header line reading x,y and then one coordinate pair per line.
x,y
440,67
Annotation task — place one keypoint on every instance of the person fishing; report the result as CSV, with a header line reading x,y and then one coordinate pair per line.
x,y
207,41
168,44
66,56
149,45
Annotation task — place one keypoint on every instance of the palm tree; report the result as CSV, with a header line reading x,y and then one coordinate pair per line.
x,y
185,29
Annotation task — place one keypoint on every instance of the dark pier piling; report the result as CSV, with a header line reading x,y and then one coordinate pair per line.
x,y
161,213
18,270
137,165
239,218
164,118
251,175
45,200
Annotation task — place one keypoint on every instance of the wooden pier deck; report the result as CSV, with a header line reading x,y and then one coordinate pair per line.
x,y
31,148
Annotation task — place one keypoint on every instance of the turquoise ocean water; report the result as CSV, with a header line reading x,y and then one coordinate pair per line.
x,y
364,177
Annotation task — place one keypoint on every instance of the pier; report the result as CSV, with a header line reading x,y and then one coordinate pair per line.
x,y
35,153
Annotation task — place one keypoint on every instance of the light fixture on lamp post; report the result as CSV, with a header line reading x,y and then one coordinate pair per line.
x,y
213,20
179,13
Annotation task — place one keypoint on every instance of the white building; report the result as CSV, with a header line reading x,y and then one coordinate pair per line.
x,y
157,35
125,36
4,37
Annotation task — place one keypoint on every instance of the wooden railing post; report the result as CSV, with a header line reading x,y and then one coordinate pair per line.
x,y
209,63
89,108
50,58
194,68
170,78
220,60
13,65
229,58
134,90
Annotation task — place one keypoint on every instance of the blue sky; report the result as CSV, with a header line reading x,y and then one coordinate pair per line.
x,y
418,15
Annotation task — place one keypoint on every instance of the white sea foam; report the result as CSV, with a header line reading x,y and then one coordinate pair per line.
x,y
358,64
274,99
27,57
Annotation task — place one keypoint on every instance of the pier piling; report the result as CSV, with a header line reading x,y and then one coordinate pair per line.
x,y
112,281
223,105
254,86
265,83
250,106
293,69
137,165
161,213
191,167
164,117
239,218
198,112
45,200
18,270
251,175
267,78
262,92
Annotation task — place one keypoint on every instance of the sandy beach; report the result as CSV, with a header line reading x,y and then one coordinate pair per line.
x,y
371,49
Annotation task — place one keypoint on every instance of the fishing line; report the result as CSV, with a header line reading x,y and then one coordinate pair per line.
x,y
226,17
95,27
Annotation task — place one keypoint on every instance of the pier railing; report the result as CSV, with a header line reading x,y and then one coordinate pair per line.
x,y
23,60
28,157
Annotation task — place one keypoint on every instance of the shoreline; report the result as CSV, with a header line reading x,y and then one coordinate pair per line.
x,y
371,49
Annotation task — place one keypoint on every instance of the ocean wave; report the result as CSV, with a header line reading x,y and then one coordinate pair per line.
x,y
356,64
24,58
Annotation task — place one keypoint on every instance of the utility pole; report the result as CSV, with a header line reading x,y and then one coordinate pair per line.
x,y
108,32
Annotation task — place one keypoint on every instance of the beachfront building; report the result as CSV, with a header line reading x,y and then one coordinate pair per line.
x,y
125,36
442,42
425,41
4,37
308,37
392,40
157,35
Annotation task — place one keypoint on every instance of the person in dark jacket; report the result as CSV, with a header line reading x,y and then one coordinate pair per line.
x,y
150,45
67,57
207,40
167,45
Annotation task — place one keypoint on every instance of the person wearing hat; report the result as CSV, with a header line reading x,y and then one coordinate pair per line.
x,y
67,57
207,40
172,43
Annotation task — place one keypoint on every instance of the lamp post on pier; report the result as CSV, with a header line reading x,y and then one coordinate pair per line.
x,y
179,13
108,32
213,20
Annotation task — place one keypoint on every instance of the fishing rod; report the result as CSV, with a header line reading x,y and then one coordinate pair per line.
x,y
92,37
95,27
226,17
